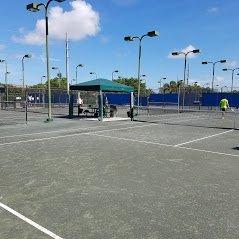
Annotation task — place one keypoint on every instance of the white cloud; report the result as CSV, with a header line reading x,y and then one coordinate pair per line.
x,y
186,49
81,21
213,9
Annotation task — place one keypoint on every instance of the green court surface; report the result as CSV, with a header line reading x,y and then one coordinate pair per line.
x,y
76,179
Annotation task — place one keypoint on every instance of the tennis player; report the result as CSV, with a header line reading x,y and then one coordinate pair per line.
x,y
224,105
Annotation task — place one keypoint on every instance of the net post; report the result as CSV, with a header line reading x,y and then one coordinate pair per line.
x,y
132,106
179,98
71,105
26,105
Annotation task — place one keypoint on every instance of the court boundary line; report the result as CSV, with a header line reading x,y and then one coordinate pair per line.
x,y
71,135
206,137
69,130
30,222
58,131
101,131
166,145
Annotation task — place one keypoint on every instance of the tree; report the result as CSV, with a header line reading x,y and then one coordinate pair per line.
x,y
133,82
56,83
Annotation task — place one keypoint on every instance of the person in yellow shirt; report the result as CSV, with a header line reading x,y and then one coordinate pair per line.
x,y
224,105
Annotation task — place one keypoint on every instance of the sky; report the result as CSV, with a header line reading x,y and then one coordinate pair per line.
x,y
97,28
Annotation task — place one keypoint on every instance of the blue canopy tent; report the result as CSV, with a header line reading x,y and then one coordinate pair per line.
x,y
101,86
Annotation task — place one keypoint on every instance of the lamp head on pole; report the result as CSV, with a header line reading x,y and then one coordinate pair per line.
x,y
153,33
196,51
225,69
175,53
204,62
28,56
33,7
128,38
223,61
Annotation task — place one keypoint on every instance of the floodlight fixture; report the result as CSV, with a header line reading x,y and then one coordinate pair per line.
x,y
223,61
153,33
128,38
196,51
33,7
175,53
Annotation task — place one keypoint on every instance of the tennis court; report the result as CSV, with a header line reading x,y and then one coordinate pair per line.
x,y
174,178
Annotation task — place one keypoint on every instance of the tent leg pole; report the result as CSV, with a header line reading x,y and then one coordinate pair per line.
x,y
101,106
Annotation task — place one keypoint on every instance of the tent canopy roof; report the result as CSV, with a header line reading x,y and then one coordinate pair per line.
x,y
102,84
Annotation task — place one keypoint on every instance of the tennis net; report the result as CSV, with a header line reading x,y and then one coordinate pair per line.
x,y
188,117
40,108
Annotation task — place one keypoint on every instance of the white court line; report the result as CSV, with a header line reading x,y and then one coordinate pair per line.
x,y
29,221
71,135
60,131
207,137
74,129
166,145
70,130
185,119
131,140
95,133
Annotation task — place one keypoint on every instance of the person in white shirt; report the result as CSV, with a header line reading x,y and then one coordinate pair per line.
x,y
79,105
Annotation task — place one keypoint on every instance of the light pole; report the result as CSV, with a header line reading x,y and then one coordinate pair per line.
x,y
233,71
116,71
80,65
6,81
35,7
93,73
185,67
160,83
213,69
145,80
42,79
27,56
58,74
129,39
